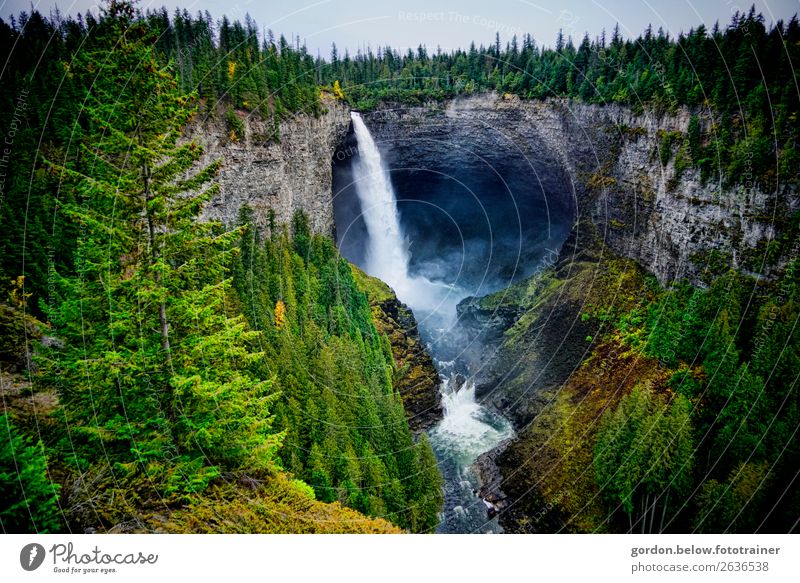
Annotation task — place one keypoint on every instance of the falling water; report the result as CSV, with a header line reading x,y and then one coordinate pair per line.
x,y
387,254
467,429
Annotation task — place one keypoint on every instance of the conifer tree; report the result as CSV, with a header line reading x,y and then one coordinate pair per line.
x,y
30,501
153,372
644,453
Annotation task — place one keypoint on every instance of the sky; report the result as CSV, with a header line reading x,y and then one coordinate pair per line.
x,y
449,24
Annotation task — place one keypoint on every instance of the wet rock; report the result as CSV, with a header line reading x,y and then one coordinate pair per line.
x,y
490,479
417,380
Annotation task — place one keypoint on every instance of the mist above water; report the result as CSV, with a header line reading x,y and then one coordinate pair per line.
x,y
387,249
475,211
467,429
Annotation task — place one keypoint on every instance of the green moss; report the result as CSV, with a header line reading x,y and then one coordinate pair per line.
x,y
600,181
667,139
521,296
648,195
376,290
632,133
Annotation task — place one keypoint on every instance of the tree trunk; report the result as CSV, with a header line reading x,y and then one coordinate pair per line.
x,y
652,515
663,513
645,507
151,228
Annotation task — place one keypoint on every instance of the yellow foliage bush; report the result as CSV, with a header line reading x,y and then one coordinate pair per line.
x,y
280,314
337,90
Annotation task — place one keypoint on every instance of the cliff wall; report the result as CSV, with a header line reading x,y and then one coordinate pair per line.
x,y
607,164
282,172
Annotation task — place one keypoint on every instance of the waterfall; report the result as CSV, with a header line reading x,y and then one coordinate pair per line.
x,y
387,250
387,254
467,429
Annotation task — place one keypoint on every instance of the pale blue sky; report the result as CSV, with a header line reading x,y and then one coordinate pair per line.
x,y
448,23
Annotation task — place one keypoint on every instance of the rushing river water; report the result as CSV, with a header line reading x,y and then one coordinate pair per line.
x,y
468,429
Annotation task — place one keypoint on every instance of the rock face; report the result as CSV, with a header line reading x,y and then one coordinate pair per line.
x,y
629,199
416,380
663,217
532,334
284,176
606,164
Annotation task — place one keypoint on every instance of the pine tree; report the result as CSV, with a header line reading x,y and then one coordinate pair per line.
x,y
643,454
154,372
30,501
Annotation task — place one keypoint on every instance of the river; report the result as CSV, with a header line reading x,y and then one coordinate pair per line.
x,y
467,429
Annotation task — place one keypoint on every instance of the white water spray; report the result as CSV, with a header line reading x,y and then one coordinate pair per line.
x,y
467,429
387,256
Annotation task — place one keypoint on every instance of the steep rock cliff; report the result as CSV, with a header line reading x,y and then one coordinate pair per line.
x,y
629,198
660,214
290,173
607,164
639,207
